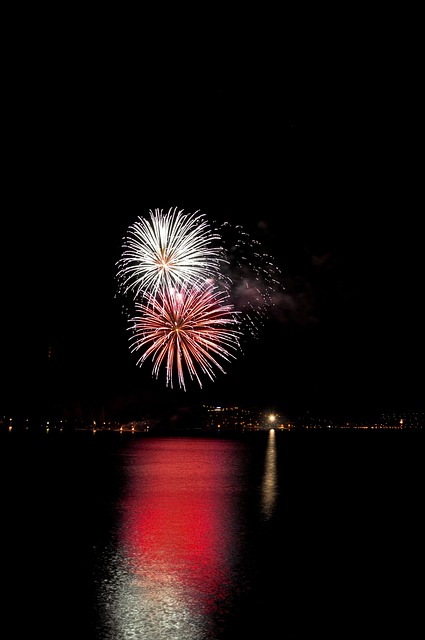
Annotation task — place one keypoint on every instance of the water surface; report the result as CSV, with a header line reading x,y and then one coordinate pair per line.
x,y
206,538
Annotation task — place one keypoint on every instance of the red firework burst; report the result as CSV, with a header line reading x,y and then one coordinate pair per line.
x,y
185,326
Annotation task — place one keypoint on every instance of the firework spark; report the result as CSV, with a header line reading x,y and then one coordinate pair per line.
x,y
185,327
172,249
250,276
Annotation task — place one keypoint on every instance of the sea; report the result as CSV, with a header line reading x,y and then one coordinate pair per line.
x,y
289,535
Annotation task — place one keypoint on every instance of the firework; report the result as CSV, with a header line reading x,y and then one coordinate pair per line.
x,y
188,328
172,249
196,292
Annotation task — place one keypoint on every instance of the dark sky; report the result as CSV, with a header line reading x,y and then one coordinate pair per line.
x,y
313,150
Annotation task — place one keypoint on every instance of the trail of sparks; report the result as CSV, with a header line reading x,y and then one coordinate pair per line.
x,y
185,327
172,249
250,276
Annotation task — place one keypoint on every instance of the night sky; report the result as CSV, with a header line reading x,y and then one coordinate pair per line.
x,y
314,153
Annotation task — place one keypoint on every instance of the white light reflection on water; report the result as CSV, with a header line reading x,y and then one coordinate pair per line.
x,y
269,483
174,570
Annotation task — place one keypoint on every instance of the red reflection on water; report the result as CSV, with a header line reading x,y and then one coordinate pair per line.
x,y
180,522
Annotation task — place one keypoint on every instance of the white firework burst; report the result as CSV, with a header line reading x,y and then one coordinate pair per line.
x,y
172,249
